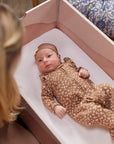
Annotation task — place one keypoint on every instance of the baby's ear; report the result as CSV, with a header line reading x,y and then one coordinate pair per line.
x,y
59,56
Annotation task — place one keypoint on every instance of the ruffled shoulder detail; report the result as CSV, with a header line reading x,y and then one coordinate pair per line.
x,y
43,77
69,60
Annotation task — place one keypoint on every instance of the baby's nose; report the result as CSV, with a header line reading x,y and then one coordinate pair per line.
x,y
45,59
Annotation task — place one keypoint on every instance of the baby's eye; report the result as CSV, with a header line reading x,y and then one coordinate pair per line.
x,y
49,56
39,60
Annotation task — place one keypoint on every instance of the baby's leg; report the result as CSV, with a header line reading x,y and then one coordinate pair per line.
x,y
91,114
102,94
108,95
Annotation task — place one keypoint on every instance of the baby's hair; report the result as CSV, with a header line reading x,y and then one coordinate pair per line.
x,y
47,46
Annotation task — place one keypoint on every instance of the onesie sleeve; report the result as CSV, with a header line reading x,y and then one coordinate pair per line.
x,y
48,97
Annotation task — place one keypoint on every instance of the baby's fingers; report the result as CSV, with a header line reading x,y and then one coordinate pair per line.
x,y
84,74
62,113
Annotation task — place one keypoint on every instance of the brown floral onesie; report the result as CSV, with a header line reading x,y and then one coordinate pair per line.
x,y
86,103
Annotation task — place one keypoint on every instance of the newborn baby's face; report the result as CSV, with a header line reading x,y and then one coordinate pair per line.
x,y
47,60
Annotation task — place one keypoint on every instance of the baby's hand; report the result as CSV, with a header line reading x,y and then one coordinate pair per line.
x,y
84,73
60,111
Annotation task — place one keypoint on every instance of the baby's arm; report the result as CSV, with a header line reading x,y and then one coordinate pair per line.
x,y
60,111
48,97
84,73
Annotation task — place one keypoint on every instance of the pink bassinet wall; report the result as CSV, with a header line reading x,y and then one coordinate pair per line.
x,y
60,14
40,20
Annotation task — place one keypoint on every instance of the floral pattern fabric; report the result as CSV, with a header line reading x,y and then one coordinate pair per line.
x,y
99,12
86,103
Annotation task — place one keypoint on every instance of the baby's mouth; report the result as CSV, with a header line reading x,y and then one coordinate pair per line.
x,y
48,65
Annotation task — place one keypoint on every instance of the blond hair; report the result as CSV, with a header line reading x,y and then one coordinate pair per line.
x,y
11,35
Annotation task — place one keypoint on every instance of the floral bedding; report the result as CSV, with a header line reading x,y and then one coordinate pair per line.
x,y
99,12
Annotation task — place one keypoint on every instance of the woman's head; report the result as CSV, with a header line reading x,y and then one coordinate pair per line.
x,y
47,57
11,35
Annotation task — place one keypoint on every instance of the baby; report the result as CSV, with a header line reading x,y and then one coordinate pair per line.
x,y
75,93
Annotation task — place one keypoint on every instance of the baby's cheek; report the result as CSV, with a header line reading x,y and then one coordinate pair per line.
x,y
39,66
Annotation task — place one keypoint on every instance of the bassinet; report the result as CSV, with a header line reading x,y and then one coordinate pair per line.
x,y
57,22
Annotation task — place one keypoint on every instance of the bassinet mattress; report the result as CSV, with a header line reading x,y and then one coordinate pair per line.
x,y
66,130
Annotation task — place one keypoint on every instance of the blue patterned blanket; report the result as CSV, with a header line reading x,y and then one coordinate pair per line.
x,y
99,12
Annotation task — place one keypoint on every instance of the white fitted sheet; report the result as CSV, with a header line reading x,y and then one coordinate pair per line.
x,y
66,130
